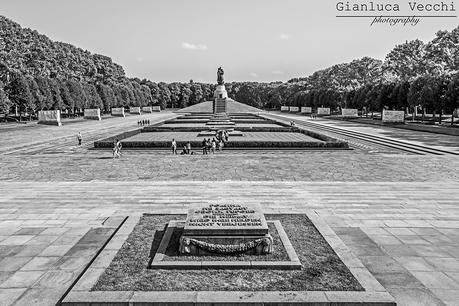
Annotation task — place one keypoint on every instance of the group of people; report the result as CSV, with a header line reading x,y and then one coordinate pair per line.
x,y
143,122
186,148
211,146
207,145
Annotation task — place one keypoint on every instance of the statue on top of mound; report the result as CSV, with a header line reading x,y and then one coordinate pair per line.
x,y
220,73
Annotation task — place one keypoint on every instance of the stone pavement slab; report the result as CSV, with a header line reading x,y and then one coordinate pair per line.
x,y
358,211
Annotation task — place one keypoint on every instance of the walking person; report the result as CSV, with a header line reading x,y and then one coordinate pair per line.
x,y
79,138
204,146
214,145
174,146
188,147
220,145
117,149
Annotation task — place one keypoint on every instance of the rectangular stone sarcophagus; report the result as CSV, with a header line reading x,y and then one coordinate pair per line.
x,y
50,117
92,113
216,229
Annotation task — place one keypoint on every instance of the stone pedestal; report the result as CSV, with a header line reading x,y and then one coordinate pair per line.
x,y
220,92
225,229
220,97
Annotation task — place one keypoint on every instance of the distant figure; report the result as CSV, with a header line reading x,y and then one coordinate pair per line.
x,y
188,147
204,146
79,138
214,145
174,146
225,133
184,151
117,149
220,145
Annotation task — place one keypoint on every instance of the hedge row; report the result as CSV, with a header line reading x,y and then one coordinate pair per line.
x,y
196,145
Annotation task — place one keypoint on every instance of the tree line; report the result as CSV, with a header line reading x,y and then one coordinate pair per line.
x,y
39,74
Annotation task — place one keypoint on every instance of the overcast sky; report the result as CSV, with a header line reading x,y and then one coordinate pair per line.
x,y
179,40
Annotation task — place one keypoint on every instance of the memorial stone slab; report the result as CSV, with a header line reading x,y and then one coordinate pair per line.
x,y
92,113
294,109
156,108
49,117
225,219
134,110
323,111
118,112
306,110
284,108
147,109
349,112
389,116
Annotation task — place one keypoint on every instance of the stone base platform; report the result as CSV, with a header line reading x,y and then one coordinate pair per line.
x,y
373,294
212,133
158,261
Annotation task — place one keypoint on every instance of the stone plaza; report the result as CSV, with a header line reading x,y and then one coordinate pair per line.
x,y
67,209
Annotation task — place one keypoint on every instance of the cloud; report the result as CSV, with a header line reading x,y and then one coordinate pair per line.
x,y
189,46
277,72
284,36
253,75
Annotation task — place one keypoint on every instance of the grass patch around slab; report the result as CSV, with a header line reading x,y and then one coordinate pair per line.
x,y
322,268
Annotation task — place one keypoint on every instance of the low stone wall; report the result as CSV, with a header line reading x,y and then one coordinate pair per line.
x,y
349,112
119,112
92,113
49,117
389,116
156,108
134,110
306,110
323,111
284,108
147,109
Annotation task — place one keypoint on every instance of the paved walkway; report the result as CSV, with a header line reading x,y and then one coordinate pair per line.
x,y
439,141
152,165
35,138
413,227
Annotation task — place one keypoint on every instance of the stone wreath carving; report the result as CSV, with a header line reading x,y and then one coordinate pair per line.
x,y
226,248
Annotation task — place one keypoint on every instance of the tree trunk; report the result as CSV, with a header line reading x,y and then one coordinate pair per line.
x,y
452,119
441,114
423,115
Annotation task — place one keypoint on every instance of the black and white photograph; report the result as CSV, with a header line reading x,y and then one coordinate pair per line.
x,y
228,153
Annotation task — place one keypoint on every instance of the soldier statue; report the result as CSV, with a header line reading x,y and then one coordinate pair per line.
x,y
220,73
